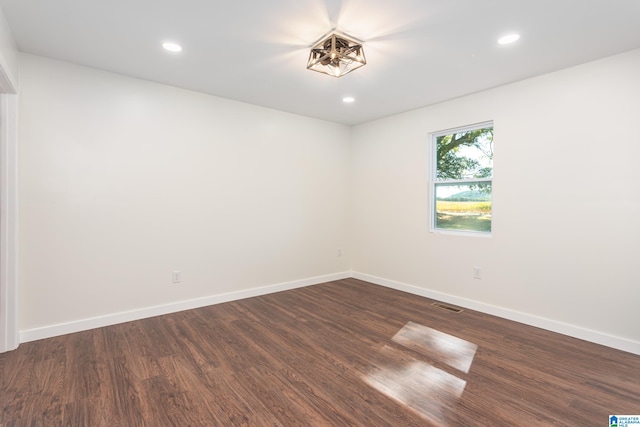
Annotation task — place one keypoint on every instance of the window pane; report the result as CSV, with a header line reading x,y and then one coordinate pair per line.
x,y
465,207
465,155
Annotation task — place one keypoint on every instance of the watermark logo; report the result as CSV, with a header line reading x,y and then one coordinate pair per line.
x,y
624,420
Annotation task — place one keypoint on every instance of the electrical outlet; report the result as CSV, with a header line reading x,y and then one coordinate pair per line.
x,y
176,276
477,273
339,252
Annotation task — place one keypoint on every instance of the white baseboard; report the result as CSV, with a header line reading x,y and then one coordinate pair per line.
x,y
143,313
539,322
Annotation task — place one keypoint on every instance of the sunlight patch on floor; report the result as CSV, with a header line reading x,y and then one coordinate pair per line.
x,y
429,391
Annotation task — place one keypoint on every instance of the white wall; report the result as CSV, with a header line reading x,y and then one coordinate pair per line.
x,y
123,181
566,225
8,58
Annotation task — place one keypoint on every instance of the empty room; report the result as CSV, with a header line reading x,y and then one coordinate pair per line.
x,y
319,213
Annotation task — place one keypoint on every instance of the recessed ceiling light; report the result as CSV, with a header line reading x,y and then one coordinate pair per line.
x,y
348,99
509,38
172,47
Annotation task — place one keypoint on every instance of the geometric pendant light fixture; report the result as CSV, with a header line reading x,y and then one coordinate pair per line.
x,y
336,56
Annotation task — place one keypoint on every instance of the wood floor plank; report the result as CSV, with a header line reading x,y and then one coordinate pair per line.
x,y
341,353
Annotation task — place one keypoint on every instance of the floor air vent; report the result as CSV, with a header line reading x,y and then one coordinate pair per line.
x,y
446,307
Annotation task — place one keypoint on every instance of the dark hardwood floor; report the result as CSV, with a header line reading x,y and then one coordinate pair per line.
x,y
346,353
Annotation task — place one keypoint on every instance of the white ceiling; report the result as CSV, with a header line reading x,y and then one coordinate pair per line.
x,y
419,52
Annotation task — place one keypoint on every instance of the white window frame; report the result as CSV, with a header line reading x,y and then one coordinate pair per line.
x,y
433,181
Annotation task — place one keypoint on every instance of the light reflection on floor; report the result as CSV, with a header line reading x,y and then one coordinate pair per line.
x,y
429,391
445,348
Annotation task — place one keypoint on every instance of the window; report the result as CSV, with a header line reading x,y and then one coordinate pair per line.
x,y
462,172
